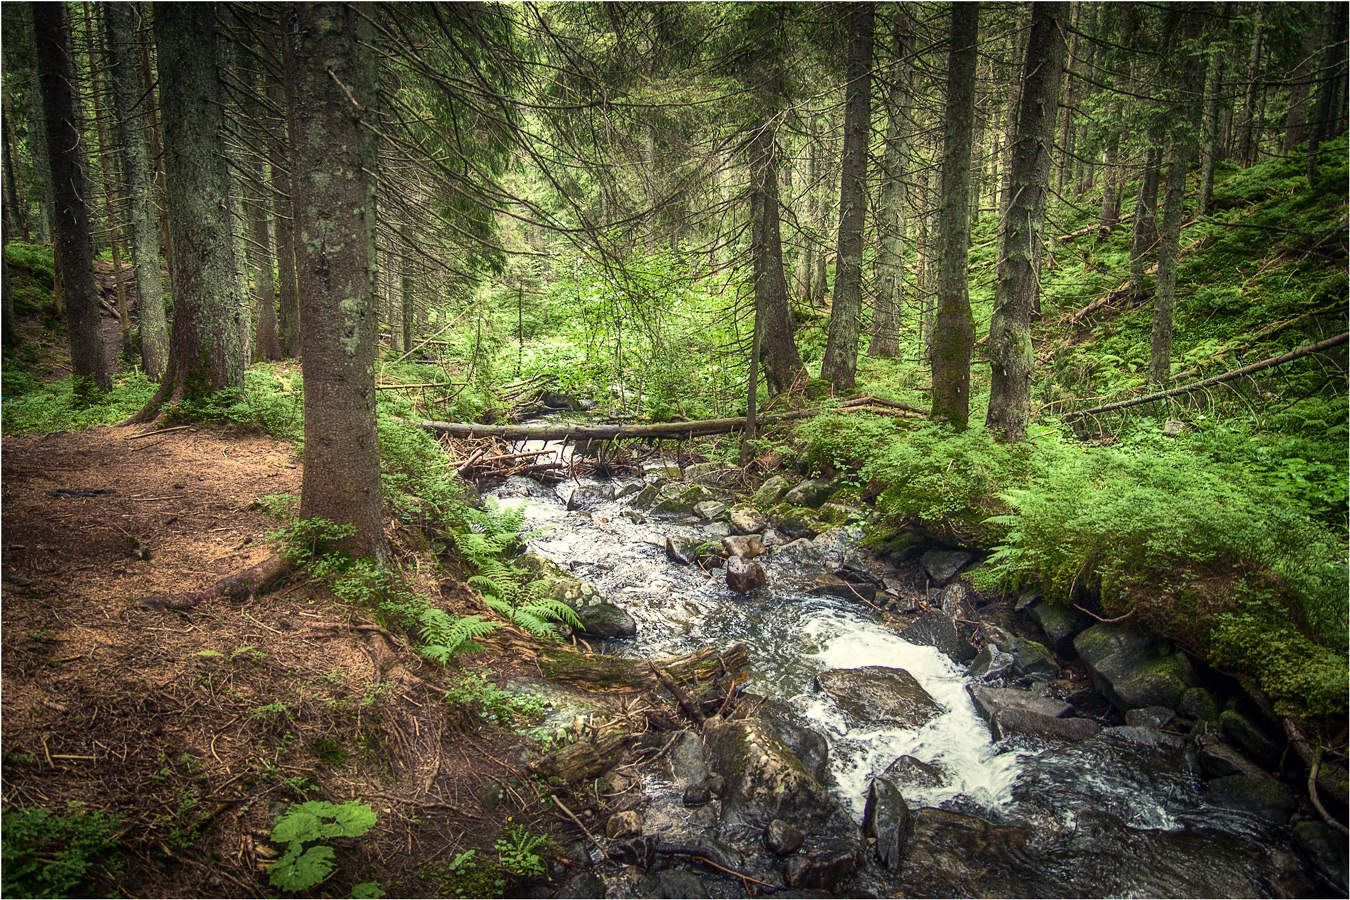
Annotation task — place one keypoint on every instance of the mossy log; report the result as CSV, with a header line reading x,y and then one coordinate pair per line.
x,y
699,673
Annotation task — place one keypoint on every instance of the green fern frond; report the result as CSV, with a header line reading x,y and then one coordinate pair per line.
x,y
552,610
533,624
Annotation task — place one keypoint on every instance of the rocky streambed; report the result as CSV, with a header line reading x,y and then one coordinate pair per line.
x,y
899,732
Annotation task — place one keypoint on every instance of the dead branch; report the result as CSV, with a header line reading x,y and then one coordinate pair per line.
x,y
257,579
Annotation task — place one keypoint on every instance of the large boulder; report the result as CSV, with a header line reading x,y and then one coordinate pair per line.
x,y
746,546
669,883
1030,659
710,510
1258,795
879,695
1323,849
1059,622
909,771
770,492
1131,669
746,520
810,493
942,565
743,575
599,617
1249,733
1010,711
672,497
934,628
950,854
806,743
886,817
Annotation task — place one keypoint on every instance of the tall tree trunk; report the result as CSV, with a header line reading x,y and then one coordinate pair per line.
x,y
783,367
1210,137
890,265
37,142
1112,175
257,206
282,142
18,213
1247,136
1326,117
109,181
1298,90
127,97
332,81
1066,140
806,258
205,355
1010,352
1145,237
841,347
152,135
954,328
75,247
408,292
1187,114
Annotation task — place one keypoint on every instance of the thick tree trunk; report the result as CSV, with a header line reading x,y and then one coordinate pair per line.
x,y
1326,116
1187,113
1145,237
954,328
841,347
257,206
204,352
1010,352
288,322
890,265
332,81
127,97
783,366
1298,90
75,247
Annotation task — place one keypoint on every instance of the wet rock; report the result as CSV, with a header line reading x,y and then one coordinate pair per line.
x,y
746,546
1259,742
661,470
782,839
810,493
824,869
709,510
887,818
1260,795
770,492
743,575
698,794
827,552
589,496
1130,669
942,565
935,628
687,763
773,538
1010,711
584,883
992,665
680,549
954,855
624,824
879,695
627,490
1031,659
823,585
1198,703
1059,622
672,497
1151,717
745,520
957,601
1323,849
599,618
907,771
1218,760
805,742
669,883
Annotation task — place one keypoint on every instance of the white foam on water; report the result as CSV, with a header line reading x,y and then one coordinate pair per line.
x,y
957,740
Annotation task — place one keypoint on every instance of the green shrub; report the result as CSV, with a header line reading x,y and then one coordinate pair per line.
x,y
34,260
306,862
58,406
47,855
475,692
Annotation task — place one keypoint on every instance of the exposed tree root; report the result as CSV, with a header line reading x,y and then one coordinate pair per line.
x,y
256,579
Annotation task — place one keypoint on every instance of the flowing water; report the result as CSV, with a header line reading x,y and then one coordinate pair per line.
x,y
1122,813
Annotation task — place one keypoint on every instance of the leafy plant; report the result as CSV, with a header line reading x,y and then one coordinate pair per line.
x,y
493,704
48,855
518,851
307,862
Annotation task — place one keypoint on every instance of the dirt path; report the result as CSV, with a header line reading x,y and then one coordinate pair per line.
x,y
197,728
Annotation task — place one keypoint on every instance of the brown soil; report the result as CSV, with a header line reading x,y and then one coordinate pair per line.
x,y
198,727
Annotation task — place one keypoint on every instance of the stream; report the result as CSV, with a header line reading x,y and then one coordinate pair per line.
x,y
1122,813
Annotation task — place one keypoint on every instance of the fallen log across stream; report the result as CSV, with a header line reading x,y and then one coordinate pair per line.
x,y
698,427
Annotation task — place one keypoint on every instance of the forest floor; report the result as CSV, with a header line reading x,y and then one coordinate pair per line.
x,y
196,727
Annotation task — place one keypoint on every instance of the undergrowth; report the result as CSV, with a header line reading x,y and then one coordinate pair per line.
x,y
48,855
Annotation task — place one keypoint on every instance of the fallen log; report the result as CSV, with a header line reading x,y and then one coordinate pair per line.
x,y
1267,363
256,579
695,428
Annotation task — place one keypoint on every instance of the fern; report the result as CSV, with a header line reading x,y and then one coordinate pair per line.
x,y
444,637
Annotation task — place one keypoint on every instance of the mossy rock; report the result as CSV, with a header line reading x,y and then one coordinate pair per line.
x,y
770,492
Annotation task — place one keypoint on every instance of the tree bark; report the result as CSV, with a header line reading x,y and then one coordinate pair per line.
x,y
257,206
1326,117
205,355
1145,236
954,328
75,249
1210,138
890,265
1298,91
130,117
1184,138
840,363
1010,351
332,81
1247,136
282,144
